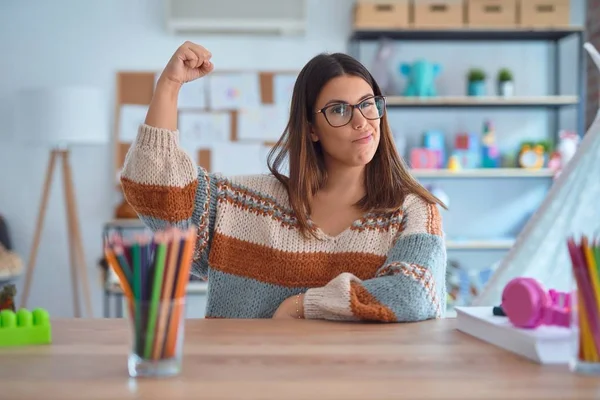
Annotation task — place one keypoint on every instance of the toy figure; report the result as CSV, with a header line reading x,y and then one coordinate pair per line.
x,y
435,141
567,147
7,298
421,78
554,163
490,157
454,163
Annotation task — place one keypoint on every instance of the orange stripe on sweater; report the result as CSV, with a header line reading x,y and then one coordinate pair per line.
x,y
434,221
165,202
366,307
284,268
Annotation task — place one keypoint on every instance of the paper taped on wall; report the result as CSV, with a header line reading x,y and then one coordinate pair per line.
x,y
283,87
234,91
235,158
191,95
201,129
265,123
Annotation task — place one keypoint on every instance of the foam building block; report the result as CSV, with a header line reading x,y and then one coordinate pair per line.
x,y
25,327
421,158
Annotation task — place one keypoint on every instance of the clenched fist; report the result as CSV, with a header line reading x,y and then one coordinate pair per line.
x,y
189,62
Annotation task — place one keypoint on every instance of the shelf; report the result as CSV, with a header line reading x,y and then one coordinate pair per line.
x,y
482,101
124,223
483,173
493,244
469,34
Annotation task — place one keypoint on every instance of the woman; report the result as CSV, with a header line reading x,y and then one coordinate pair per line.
x,y
348,235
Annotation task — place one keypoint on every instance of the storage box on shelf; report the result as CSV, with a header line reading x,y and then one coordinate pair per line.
x,y
544,13
382,14
491,13
438,14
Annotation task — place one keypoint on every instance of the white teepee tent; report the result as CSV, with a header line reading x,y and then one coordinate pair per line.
x,y
572,207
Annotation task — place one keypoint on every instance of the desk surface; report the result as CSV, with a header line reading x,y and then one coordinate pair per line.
x,y
286,359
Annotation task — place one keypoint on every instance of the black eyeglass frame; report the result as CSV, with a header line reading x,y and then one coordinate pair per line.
x,y
321,111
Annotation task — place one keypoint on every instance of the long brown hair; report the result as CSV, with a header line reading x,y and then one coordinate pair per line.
x,y
387,179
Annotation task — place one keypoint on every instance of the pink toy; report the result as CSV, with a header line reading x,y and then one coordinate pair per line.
x,y
527,304
422,158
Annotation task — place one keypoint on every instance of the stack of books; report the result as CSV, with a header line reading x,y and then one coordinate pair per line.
x,y
544,345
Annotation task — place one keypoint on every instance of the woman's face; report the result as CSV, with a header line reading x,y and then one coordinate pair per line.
x,y
353,143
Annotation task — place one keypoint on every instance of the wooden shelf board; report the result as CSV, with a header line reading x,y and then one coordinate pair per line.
x,y
482,101
469,34
492,244
483,173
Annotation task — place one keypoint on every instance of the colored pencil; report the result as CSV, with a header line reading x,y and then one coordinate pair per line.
x,y
155,296
167,291
179,292
153,272
585,262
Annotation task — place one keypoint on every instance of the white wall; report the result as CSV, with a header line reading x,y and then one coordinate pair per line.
x,y
63,42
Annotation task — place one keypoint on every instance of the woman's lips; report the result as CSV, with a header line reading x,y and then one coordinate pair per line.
x,y
364,139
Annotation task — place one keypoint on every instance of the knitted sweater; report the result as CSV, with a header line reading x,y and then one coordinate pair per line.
x,y
384,267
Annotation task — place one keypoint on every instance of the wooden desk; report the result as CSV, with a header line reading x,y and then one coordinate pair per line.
x,y
286,359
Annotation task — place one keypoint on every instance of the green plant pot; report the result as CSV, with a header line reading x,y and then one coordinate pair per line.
x,y
476,88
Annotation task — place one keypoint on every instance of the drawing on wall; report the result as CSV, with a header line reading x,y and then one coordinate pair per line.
x,y
200,129
234,91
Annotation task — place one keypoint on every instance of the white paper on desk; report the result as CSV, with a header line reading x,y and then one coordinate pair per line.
x,y
283,87
233,91
235,158
265,123
131,116
201,129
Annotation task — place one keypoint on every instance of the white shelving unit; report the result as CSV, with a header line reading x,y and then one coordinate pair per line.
x,y
492,244
554,103
484,173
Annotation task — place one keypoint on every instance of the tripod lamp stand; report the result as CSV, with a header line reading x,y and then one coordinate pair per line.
x,y
58,119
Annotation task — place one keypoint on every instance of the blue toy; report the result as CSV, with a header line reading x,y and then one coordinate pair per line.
x,y
421,78
490,157
435,141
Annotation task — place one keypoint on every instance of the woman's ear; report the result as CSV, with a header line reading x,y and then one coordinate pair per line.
x,y
313,135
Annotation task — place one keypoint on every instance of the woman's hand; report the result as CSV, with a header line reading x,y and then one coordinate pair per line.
x,y
291,308
189,62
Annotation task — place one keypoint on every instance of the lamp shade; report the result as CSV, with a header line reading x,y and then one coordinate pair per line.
x,y
61,116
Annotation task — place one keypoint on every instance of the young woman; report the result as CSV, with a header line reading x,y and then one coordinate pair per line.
x,y
348,234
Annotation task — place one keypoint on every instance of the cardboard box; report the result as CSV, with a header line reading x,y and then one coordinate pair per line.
x,y
382,14
438,14
544,13
491,13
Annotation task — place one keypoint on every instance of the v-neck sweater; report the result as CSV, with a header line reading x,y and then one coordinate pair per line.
x,y
387,267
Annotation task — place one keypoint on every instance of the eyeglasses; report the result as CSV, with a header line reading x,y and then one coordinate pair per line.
x,y
340,114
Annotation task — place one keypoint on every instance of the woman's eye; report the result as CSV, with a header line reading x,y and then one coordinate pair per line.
x,y
366,104
341,109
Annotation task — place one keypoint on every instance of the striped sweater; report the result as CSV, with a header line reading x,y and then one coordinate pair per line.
x,y
384,267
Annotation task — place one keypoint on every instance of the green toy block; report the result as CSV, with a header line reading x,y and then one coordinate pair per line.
x,y
25,327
